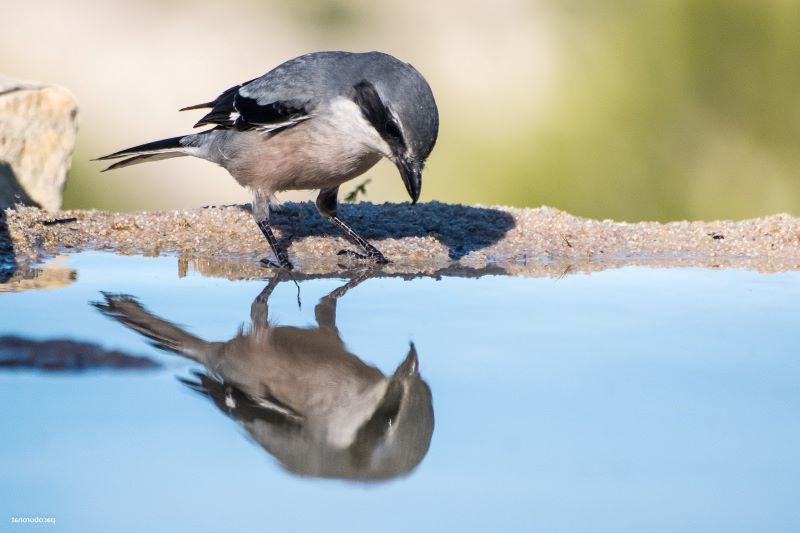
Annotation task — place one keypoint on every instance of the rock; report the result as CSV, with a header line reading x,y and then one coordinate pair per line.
x,y
38,125
429,238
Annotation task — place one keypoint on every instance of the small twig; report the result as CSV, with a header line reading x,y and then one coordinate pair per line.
x,y
566,271
299,301
59,221
360,189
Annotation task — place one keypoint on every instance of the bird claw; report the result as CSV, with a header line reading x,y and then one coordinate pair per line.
x,y
351,253
375,258
285,266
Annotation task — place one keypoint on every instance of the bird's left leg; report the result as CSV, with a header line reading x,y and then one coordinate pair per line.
x,y
325,311
326,205
261,214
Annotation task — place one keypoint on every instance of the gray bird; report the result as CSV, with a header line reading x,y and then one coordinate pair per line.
x,y
314,122
300,394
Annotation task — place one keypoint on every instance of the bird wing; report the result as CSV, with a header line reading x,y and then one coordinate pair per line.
x,y
235,401
281,98
237,108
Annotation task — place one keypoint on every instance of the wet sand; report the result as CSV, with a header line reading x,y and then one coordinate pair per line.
x,y
426,239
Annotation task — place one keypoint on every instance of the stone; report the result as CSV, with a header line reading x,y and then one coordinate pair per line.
x,y
38,126
430,238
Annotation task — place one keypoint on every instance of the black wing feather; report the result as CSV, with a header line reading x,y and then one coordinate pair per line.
x,y
232,109
221,109
274,116
243,407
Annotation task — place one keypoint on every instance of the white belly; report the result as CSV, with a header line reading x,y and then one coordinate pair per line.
x,y
319,153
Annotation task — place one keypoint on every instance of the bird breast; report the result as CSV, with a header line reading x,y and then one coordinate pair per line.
x,y
334,146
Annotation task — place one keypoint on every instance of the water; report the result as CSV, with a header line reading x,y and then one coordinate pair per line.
x,y
628,400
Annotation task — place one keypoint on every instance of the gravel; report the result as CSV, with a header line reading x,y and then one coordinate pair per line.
x,y
426,239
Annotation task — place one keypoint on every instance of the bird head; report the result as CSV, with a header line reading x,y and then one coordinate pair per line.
x,y
398,103
396,437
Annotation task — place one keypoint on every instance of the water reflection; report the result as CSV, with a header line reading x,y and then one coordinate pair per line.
x,y
65,355
7,262
52,275
319,409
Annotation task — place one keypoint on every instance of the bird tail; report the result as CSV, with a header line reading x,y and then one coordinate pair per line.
x,y
163,334
153,151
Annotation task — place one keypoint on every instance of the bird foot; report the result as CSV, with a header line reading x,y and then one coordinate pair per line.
x,y
285,265
377,258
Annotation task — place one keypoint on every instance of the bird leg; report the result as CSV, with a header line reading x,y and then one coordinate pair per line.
x,y
261,210
326,205
372,253
259,309
325,310
277,249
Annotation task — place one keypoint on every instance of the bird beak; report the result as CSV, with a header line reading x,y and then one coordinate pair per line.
x,y
411,172
410,365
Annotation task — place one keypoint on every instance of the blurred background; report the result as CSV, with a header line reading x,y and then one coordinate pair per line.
x,y
624,109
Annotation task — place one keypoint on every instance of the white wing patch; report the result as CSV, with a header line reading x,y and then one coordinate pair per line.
x,y
274,127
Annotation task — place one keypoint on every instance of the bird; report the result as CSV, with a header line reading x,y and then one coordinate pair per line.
x,y
312,123
319,409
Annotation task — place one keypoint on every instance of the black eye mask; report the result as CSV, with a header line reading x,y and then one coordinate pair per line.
x,y
375,111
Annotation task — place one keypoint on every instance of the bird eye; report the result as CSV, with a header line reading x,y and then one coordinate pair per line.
x,y
392,129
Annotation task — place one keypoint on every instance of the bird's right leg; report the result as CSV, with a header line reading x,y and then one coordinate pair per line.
x,y
259,309
261,214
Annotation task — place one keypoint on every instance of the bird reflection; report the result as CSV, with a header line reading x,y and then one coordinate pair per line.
x,y
319,409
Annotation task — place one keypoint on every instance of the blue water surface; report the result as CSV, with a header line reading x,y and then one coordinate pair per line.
x,y
634,399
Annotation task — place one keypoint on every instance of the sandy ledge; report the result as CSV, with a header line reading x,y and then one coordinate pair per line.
x,y
426,239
